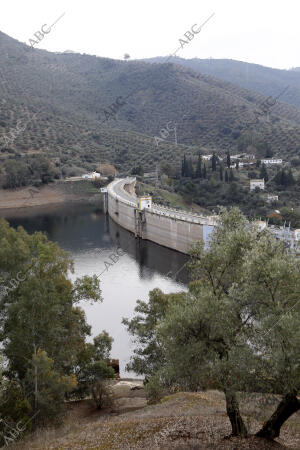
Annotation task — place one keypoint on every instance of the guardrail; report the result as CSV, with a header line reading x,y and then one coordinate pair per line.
x,y
188,216
162,210
183,215
118,197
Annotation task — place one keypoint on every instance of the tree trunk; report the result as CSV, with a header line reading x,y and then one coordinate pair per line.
x,y
97,395
233,412
288,406
35,381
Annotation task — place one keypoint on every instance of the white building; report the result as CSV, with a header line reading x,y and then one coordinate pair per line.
x,y
271,161
297,234
91,176
272,198
144,202
261,225
233,166
259,183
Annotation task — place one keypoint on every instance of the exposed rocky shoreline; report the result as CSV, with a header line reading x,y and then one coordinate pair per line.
x,y
52,194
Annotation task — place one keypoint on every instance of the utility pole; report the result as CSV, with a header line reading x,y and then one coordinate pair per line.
x,y
157,176
175,134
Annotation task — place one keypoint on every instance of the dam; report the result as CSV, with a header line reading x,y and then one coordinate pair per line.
x,y
177,230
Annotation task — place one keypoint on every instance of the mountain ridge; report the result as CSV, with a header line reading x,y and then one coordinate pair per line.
x,y
77,123
247,75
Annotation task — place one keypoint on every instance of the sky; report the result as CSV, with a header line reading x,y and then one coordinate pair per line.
x,y
263,32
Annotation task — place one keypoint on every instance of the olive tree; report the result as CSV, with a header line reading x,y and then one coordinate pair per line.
x,y
239,326
148,355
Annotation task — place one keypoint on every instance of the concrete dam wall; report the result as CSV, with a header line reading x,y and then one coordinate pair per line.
x,y
173,229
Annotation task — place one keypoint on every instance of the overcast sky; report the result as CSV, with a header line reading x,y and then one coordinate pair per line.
x,y
257,31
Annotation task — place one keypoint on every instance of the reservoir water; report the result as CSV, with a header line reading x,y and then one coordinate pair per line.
x,y
91,238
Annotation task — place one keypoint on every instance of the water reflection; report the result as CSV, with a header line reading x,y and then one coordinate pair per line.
x,y
91,237
150,256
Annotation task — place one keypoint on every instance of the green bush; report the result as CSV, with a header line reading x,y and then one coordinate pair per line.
x,y
155,389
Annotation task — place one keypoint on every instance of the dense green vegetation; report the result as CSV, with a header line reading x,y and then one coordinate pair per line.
x,y
233,330
44,354
214,183
34,170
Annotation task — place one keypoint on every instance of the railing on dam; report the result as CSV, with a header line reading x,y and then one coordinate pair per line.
x,y
163,210
183,215
179,217
113,194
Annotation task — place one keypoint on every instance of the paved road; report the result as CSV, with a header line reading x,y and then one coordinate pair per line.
x,y
118,189
283,234
183,215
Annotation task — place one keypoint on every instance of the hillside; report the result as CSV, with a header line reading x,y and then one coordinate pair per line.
x,y
181,421
264,80
58,105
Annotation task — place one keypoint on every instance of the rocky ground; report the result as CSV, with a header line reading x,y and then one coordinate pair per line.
x,y
180,421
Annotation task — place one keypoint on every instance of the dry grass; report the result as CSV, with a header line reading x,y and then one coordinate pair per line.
x,y
180,421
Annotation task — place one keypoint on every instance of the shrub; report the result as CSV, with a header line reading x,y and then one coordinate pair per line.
x,y
155,389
